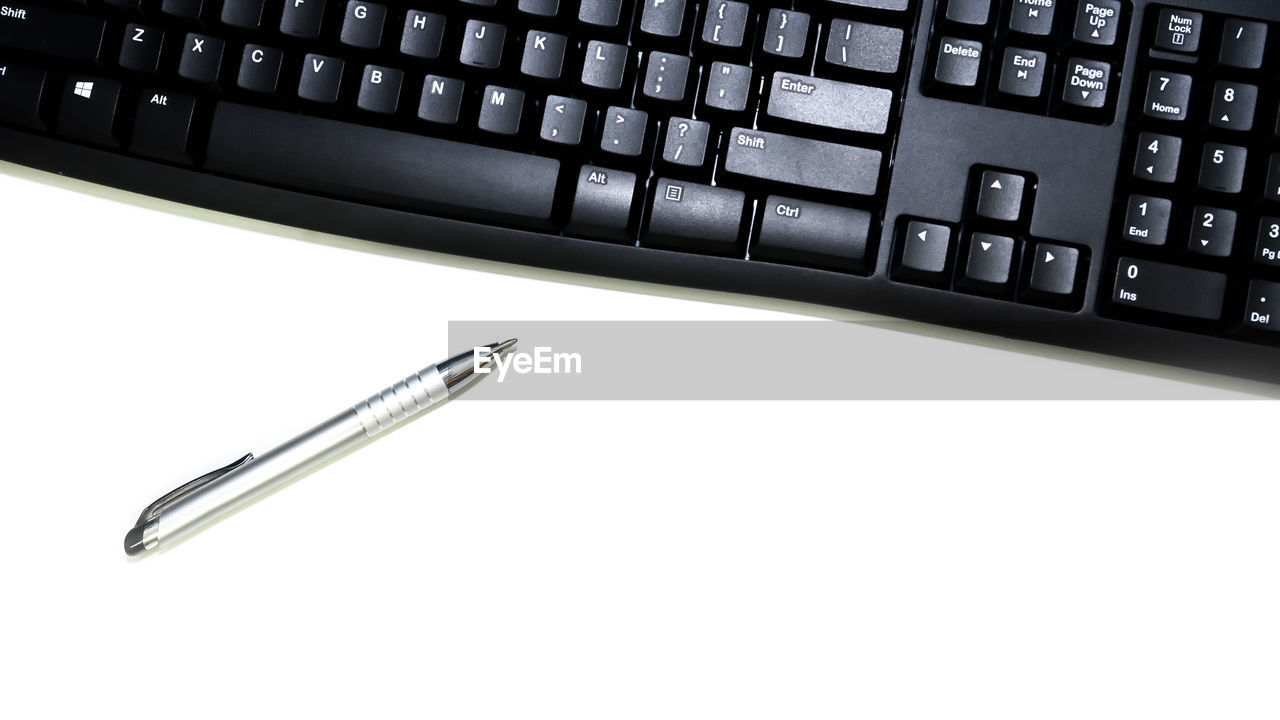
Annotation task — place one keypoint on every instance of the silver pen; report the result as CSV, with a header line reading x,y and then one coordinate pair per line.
x,y
209,498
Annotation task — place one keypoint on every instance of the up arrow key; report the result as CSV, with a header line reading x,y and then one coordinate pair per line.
x,y
997,186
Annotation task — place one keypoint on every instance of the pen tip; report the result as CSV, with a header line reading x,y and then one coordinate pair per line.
x,y
505,345
133,542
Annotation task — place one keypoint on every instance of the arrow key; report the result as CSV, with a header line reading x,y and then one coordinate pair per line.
x,y
562,120
925,250
1000,196
989,266
1053,272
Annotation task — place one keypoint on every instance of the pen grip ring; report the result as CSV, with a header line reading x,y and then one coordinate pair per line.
x,y
401,401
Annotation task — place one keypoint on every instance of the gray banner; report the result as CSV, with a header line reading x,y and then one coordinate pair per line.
x,y
806,360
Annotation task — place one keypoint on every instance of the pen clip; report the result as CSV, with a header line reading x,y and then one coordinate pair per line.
x,y
183,490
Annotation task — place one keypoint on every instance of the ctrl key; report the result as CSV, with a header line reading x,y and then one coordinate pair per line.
x,y
1262,311
21,89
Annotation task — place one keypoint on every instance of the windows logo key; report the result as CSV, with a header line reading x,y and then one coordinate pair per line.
x,y
84,89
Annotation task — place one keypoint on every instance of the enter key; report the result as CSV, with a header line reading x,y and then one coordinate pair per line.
x,y
830,103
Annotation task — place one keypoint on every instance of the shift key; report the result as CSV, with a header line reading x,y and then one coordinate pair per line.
x,y
830,103
803,162
50,32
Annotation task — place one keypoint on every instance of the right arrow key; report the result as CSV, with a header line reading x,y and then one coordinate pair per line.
x,y
1054,273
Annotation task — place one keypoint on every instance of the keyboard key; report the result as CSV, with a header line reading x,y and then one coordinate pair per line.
x,y
500,110
688,216
140,48
726,23
1000,196
786,33
302,18
1244,43
1022,73
728,86
1262,308
482,44
544,8
1169,289
189,9
604,66
259,69
891,5
1146,220
362,24
162,126
925,250
664,18
243,14
47,31
543,54
601,13
666,76
201,59
1268,251
686,142
88,110
969,12
1158,157
989,265
830,103
958,62
1097,22
22,89
562,120
321,79
423,34
384,167
1272,191
1213,232
809,233
1054,269
859,46
1032,17
602,204
804,162
1178,30
1168,96
380,90
1087,84
1222,168
623,131
1234,106
441,100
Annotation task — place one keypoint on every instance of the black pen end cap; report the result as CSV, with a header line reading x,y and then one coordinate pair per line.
x,y
133,544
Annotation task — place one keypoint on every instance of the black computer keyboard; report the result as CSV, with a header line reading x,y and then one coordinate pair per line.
x,y
1102,174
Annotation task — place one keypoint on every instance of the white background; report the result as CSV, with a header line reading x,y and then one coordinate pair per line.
x,y
581,560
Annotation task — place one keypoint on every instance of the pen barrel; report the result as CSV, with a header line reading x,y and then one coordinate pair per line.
x,y
401,401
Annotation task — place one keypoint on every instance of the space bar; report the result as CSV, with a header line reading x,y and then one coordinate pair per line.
x,y
381,167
